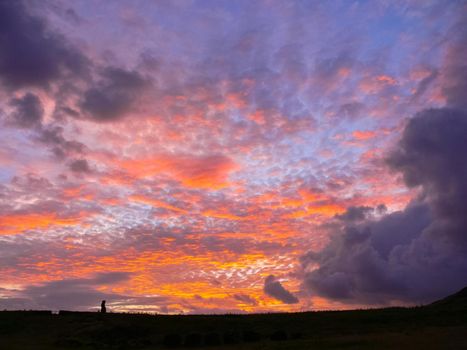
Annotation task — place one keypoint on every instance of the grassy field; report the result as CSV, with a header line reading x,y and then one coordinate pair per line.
x,y
442,325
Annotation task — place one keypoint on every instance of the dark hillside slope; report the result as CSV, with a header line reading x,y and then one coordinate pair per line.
x,y
455,301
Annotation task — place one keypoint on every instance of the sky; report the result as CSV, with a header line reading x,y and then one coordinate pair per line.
x,y
197,156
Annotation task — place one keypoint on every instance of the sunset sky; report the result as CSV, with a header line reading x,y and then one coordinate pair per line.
x,y
197,156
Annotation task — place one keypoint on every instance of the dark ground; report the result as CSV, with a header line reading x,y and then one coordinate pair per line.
x,y
442,325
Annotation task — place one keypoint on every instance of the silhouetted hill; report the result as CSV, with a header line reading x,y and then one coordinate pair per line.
x,y
456,300
440,325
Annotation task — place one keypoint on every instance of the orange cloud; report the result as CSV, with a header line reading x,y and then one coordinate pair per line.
x,y
343,72
325,210
156,203
209,172
310,196
371,85
258,117
18,223
223,215
386,79
77,193
363,135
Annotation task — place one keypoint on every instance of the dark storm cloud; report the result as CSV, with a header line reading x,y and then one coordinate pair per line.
x,y
28,111
115,94
356,264
419,253
432,155
31,55
274,288
355,213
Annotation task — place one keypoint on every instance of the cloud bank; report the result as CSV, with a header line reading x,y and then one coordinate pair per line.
x,y
417,254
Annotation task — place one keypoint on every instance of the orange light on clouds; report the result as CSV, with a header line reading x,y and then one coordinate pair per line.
x,y
258,117
223,215
387,79
363,135
156,203
18,223
326,210
207,172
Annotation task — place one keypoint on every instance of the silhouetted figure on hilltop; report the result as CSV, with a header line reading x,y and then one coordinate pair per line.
x,y
103,308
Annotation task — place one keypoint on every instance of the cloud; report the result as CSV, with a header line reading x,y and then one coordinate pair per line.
x,y
72,295
69,294
363,135
78,294
28,111
455,75
52,136
417,254
33,204
80,166
430,155
425,84
114,96
34,56
355,213
208,171
31,55
246,299
18,223
274,288
350,110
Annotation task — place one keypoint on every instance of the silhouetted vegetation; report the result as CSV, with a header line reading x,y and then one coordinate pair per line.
x,y
193,340
440,325
212,339
250,336
172,340
231,338
279,335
